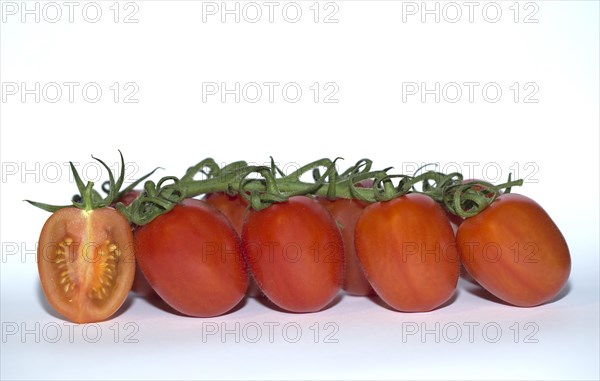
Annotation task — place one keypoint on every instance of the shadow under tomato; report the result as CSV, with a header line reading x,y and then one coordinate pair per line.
x,y
377,300
566,290
480,292
265,301
158,302
51,311
484,294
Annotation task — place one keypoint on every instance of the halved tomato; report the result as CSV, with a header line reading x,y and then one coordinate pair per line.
x,y
86,262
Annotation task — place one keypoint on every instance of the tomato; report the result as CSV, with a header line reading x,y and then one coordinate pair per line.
x,y
407,249
129,197
295,252
234,207
86,262
193,259
346,212
515,251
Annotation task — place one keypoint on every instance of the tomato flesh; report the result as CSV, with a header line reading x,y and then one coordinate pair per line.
x,y
192,257
86,262
295,252
515,251
407,249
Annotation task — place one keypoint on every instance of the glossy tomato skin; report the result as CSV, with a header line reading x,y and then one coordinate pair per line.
x,y
295,252
192,257
407,249
86,262
515,251
346,212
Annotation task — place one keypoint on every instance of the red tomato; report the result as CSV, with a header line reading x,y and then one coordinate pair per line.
x,y
407,249
193,259
129,197
234,208
295,251
347,212
515,251
86,262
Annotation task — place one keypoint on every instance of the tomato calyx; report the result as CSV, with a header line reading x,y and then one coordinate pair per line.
x,y
88,198
106,185
467,199
154,200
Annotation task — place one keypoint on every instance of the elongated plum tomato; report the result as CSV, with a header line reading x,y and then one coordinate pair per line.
x,y
407,249
295,253
86,262
234,208
193,259
515,251
346,212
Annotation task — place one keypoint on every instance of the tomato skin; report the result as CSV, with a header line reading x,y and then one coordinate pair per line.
x,y
192,257
86,262
294,250
515,251
129,197
234,207
407,249
346,212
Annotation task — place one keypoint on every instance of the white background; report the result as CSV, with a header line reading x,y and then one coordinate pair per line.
x,y
374,50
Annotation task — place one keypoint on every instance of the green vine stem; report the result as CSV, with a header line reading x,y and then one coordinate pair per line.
x,y
89,199
265,185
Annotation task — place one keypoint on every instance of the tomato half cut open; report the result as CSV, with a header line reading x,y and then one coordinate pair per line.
x,y
86,262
